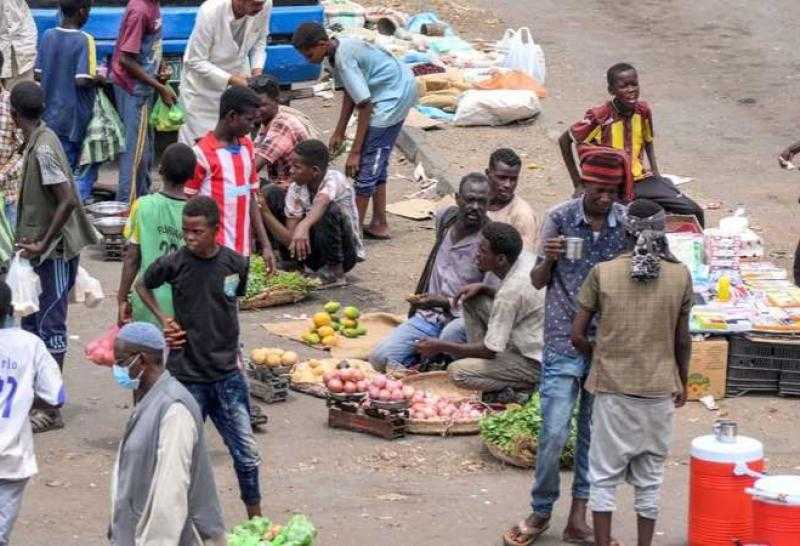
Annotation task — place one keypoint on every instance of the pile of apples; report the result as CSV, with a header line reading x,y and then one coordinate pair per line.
x,y
430,407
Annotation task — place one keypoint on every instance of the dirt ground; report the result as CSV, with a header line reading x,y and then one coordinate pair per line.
x,y
720,80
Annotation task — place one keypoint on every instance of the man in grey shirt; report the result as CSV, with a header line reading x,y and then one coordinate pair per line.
x,y
504,324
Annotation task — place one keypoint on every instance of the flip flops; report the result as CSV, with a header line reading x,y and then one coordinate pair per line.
x,y
523,530
45,420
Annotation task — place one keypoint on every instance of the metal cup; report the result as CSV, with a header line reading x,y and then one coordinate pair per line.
x,y
725,431
574,248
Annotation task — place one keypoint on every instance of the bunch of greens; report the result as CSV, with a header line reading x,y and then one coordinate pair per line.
x,y
520,425
258,281
299,531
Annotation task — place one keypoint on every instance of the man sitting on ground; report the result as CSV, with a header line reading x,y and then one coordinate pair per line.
x,y
504,204
282,128
504,325
315,221
450,266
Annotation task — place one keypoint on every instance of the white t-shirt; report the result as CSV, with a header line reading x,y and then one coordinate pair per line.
x,y
26,369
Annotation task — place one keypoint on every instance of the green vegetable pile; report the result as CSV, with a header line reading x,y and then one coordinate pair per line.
x,y
259,531
516,431
258,281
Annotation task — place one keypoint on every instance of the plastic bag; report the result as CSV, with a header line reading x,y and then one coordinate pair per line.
x,y
499,107
25,286
513,79
101,350
87,289
105,134
166,118
523,54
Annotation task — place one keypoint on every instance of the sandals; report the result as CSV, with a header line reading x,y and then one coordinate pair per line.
x,y
521,530
586,539
45,420
375,236
257,416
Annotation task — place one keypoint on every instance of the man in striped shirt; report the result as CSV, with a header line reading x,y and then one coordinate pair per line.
x,y
226,172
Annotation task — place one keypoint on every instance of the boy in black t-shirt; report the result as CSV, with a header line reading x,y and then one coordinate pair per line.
x,y
206,281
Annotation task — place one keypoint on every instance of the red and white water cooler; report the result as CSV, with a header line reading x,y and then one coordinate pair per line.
x,y
776,510
723,465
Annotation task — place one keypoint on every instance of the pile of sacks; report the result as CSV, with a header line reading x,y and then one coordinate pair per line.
x,y
496,84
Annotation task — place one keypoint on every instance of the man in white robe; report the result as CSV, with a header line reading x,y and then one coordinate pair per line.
x,y
228,45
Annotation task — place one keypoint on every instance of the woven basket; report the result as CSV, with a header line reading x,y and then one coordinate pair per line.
x,y
439,384
272,298
442,428
499,454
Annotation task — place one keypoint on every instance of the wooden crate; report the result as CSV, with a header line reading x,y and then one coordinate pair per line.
x,y
388,427
275,389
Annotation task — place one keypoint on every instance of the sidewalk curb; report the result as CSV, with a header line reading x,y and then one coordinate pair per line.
x,y
414,145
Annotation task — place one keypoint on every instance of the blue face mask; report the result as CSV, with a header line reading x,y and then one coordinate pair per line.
x,y
122,377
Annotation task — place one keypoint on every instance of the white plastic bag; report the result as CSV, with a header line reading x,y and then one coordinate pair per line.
x,y
495,107
25,286
87,289
523,54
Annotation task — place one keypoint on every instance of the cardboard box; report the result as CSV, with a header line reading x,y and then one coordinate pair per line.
x,y
708,368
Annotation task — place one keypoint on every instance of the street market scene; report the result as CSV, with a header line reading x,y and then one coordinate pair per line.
x,y
338,272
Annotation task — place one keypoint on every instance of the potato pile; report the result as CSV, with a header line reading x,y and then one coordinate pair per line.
x,y
273,357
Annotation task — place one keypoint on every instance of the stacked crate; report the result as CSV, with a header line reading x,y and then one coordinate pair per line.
x,y
763,367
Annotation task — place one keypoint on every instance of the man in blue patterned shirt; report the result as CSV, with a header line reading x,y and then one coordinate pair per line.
x,y
596,218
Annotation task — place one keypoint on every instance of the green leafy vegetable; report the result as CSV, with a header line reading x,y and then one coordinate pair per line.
x,y
258,281
519,426
249,533
299,531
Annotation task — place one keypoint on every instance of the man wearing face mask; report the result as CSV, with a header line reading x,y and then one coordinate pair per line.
x,y
228,45
162,488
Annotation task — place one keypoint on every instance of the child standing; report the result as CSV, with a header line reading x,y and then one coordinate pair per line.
x,y
26,371
382,90
626,123
315,220
154,230
52,227
206,280
66,67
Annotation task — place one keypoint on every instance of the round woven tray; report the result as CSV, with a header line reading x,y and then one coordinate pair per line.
x,y
442,428
502,456
313,389
272,298
439,384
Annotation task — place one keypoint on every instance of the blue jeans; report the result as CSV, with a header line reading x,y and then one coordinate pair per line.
x,y
137,159
561,387
10,210
49,323
227,402
86,176
398,347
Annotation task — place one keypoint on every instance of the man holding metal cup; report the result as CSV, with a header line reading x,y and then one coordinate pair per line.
x,y
574,237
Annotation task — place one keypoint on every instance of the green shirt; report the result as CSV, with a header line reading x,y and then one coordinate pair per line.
x,y
155,225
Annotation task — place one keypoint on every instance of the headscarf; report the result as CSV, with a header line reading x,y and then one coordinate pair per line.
x,y
651,241
606,166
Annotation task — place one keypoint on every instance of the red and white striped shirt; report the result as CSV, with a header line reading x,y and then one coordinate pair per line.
x,y
227,174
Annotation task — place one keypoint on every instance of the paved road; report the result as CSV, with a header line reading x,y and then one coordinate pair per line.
x,y
722,78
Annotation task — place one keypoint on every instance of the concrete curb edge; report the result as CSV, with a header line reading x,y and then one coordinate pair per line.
x,y
413,143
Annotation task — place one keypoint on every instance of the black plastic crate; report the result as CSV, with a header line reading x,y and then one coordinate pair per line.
x,y
741,346
790,377
742,386
788,388
786,352
736,373
754,363
790,366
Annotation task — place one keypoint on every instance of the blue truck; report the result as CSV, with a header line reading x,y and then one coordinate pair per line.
x,y
283,62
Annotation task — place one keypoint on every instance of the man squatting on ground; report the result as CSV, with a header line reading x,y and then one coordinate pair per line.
x,y
503,349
